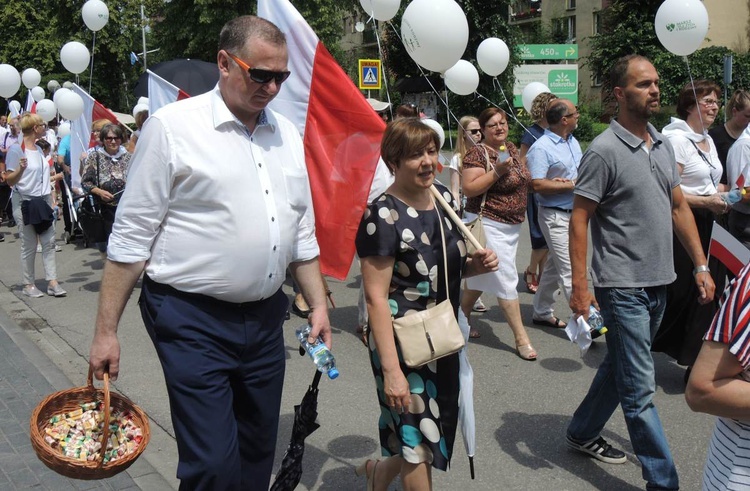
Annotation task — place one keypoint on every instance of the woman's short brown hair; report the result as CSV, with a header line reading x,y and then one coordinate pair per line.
x,y
489,113
113,128
27,121
405,137
687,99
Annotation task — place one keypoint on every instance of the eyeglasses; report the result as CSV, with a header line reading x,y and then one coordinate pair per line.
x,y
260,75
708,102
495,125
112,138
474,131
572,115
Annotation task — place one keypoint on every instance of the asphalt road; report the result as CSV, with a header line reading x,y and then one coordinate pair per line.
x,y
522,407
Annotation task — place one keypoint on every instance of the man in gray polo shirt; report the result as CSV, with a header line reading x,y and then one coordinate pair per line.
x,y
628,187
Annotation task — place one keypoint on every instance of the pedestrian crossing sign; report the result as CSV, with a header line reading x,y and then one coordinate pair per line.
x,y
370,74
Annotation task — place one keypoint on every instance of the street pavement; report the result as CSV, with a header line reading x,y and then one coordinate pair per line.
x,y
522,407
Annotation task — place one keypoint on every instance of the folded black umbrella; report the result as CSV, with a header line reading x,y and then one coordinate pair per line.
x,y
194,77
305,415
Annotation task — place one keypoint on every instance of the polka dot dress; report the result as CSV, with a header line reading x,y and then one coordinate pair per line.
x,y
392,228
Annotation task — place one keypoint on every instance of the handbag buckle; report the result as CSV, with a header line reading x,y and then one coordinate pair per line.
x,y
429,341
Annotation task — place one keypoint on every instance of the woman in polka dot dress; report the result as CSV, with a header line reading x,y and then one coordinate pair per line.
x,y
399,243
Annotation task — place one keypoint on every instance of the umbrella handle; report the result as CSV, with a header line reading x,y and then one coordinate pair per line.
x,y
316,380
471,466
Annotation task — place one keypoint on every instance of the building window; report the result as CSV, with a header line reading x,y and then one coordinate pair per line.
x,y
572,29
570,4
596,81
597,23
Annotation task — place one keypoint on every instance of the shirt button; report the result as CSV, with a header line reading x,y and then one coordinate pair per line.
x,y
260,165
269,275
274,248
273,219
266,191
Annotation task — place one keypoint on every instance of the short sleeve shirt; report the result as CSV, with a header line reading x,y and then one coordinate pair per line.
x,y
631,230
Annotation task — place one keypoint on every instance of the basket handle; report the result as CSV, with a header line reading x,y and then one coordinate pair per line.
x,y
105,433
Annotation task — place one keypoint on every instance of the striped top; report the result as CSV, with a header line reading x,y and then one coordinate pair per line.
x,y
728,463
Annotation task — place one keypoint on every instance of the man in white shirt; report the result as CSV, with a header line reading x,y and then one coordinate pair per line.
x,y
216,207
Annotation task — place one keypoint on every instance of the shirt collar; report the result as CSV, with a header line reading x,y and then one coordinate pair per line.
x,y
222,115
555,137
630,139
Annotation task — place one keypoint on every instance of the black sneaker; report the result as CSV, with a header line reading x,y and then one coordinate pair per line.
x,y
599,449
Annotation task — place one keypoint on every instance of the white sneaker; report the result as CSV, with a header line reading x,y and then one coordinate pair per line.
x,y
55,291
58,248
32,291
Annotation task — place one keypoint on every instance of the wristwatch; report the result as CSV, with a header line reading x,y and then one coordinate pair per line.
x,y
701,269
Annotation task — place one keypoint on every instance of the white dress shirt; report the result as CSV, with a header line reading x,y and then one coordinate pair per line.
x,y
214,209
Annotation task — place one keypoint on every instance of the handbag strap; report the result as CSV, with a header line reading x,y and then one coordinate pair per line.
x,y
486,169
445,253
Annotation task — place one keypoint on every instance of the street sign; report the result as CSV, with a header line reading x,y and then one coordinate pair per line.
x,y
370,74
562,80
548,51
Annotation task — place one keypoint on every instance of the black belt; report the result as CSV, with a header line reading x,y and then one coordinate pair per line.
x,y
566,210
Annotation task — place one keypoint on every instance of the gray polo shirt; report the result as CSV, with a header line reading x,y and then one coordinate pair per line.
x,y
631,230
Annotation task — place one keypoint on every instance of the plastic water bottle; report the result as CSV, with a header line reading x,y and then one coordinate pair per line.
x,y
733,196
502,154
596,322
319,352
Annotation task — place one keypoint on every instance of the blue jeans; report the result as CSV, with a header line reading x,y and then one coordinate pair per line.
x,y
626,377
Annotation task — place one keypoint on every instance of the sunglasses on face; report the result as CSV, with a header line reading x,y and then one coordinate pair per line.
x,y
260,75
112,138
474,132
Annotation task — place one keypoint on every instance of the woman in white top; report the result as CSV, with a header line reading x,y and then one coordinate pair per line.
x,y
685,321
28,173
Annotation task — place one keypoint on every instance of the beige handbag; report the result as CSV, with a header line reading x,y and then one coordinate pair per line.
x,y
476,227
432,333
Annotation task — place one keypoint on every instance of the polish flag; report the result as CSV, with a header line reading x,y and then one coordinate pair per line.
x,y
30,104
80,130
341,135
730,251
161,92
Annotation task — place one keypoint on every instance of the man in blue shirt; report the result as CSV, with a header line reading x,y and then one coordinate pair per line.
x,y
63,163
553,162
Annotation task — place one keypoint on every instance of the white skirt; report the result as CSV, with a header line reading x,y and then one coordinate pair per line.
x,y
503,239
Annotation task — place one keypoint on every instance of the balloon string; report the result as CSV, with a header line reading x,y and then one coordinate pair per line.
x,y
383,74
91,73
695,95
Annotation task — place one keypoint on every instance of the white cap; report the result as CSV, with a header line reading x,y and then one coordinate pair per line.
x,y
378,105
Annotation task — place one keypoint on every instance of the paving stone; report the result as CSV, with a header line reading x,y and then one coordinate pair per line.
x,y
23,478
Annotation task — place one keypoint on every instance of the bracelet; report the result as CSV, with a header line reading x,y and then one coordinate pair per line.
x,y
701,269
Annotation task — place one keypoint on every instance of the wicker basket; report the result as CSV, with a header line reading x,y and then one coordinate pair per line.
x,y
69,400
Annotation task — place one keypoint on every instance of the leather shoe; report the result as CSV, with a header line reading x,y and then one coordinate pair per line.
x,y
299,311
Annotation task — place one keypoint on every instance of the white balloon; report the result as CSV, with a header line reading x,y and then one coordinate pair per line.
x,y
60,93
10,81
31,77
462,78
493,56
530,92
95,14
139,107
53,85
46,109
15,108
70,105
67,85
382,10
74,57
37,93
681,25
143,100
436,128
435,33
63,130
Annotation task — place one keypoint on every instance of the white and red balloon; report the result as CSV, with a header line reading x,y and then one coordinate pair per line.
x,y
462,78
493,56
382,10
435,33
95,14
530,92
75,57
10,81
681,25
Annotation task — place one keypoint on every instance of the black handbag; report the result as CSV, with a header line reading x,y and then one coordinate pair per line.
x,y
90,215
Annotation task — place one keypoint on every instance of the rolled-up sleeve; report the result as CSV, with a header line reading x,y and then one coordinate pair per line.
x,y
305,244
145,200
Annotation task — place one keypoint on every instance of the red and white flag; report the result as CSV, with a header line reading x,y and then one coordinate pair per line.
x,y
341,134
730,251
161,92
30,104
80,130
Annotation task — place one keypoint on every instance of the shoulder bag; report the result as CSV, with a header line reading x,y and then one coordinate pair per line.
x,y
90,214
432,333
476,227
